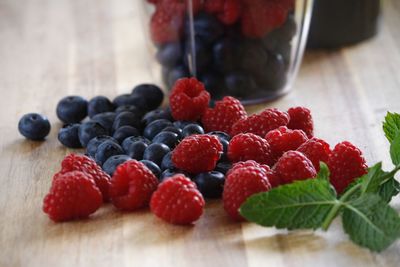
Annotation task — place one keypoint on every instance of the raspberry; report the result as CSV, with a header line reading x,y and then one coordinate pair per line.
x,y
73,195
132,185
222,117
249,146
188,100
75,162
181,6
177,201
166,25
241,184
301,119
260,17
261,124
284,139
316,150
227,11
293,166
197,153
346,163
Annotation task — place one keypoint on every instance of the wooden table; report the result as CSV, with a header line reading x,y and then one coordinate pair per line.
x,y
49,49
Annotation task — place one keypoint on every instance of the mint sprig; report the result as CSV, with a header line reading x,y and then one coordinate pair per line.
x,y
311,204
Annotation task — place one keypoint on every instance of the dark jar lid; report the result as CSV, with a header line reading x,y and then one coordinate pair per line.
x,y
337,23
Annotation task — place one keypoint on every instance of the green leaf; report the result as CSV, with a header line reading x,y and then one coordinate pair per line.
x,y
323,172
371,181
389,189
370,222
395,150
300,205
391,125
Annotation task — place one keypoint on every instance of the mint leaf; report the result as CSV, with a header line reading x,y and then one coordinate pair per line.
x,y
300,205
395,150
370,222
391,125
371,181
389,189
323,172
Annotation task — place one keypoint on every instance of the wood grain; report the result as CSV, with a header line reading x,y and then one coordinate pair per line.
x,y
52,48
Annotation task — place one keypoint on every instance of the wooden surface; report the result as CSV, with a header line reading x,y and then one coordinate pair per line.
x,y
52,48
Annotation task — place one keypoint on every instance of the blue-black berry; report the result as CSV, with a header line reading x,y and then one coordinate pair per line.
x,y
156,152
136,150
34,126
152,167
156,115
68,136
124,132
166,162
210,184
72,109
220,135
182,124
89,130
129,108
99,104
191,129
223,167
169,54
168,173
106,150
167,138
155,127
151,94
127,118
94,143
106,120
113,162
173,129
132,139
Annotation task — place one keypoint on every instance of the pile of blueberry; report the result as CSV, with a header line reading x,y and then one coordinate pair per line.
x,y
132,126
227,62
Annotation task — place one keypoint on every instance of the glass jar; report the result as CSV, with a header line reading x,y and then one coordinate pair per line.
x,y
250,49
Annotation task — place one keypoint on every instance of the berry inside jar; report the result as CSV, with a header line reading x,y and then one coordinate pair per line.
x,y
244,48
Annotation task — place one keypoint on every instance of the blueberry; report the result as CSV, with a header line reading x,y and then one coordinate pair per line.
x,y
127,118
191,129
72,109
136,150
113,162
166,162
125,131
176,73
152,167
223,167
206,27
169,54
224,156
129,108
124,100
155,127
239,84
151,94
275,73
156,115
202,56
173,129
34,126
167,138
226,55
99,104
255,58
214,84
68,136
210,184
168,173
156,152
106,150
94,143
132,139
105,119
182,124
89,130
220,135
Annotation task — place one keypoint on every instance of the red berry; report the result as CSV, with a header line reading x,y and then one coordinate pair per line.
x,y
177,201
181,6
132,186
284,139
293,166
75,162
345,163
249,146
241,184
316,150
166,25
73,195
261,124
188,100
260,17
197,153
222,117
301,119
227,11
